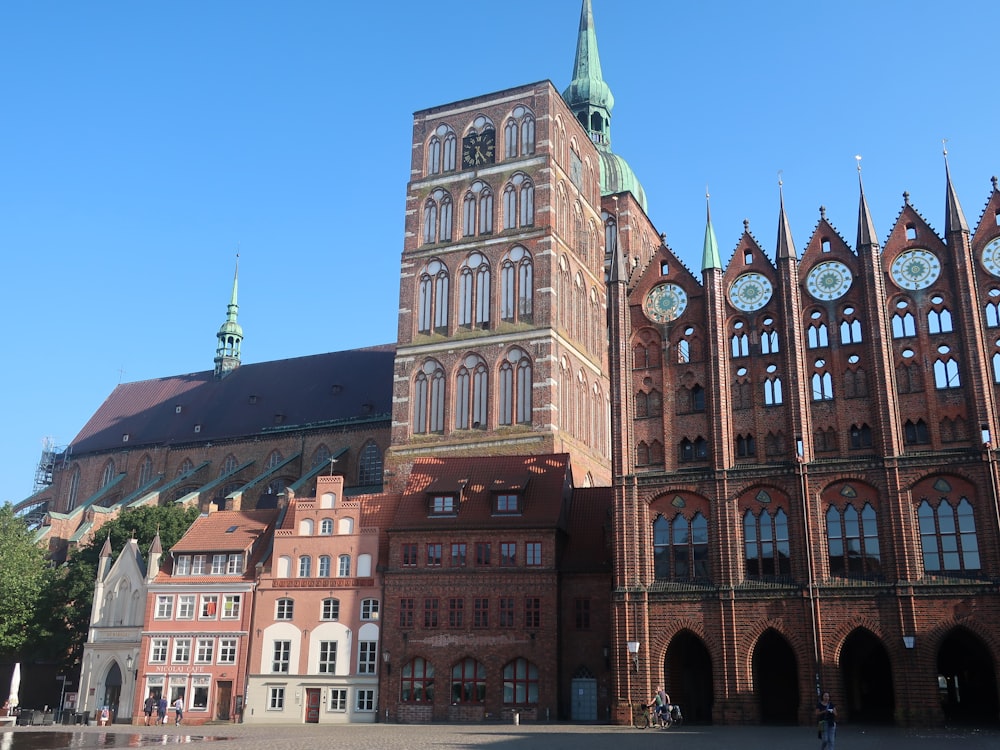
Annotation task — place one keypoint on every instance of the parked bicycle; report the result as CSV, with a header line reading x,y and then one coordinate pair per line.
x,y
642,716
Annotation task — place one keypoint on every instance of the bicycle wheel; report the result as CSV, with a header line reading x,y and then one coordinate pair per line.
x,y
640,717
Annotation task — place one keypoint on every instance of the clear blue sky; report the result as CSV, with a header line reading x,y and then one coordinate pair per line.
x,y
143,142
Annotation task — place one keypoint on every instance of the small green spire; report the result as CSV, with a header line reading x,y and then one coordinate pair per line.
x,y
230,335
588,95
710,255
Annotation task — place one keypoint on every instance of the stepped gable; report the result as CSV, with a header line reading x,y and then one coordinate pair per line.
x,y
352,384
543,481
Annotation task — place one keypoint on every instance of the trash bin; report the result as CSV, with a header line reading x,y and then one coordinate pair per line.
x,y
67,718
82,717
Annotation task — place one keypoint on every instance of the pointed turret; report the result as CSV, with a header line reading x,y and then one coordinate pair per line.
x,y
104,567
230,335
155,554
954,218
589,98
785,246
710,253
867,236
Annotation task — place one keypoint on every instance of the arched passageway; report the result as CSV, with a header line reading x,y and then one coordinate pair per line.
x,y
866,679
967,679
688,677
775,679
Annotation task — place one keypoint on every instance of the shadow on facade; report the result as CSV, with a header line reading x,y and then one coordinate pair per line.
x,y
967,680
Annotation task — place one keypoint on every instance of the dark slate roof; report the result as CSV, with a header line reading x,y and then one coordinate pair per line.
x,y
588,547
544,481
349,385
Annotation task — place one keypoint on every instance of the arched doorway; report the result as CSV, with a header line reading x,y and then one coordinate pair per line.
x,y
775,679
688,677
967,680
866,676
112,690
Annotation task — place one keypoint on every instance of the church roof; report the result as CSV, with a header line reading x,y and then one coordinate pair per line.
x,y
255,398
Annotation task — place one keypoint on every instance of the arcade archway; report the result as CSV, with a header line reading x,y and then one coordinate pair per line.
x,y
688,677
775,679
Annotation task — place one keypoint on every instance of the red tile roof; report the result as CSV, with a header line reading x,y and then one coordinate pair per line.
x,y
545,483
212,533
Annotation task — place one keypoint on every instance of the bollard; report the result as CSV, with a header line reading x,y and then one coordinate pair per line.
x,y
517,719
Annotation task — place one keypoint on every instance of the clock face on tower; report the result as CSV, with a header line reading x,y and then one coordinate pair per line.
x,y
991,256
915,269
829,280
750,292
664,303
479,148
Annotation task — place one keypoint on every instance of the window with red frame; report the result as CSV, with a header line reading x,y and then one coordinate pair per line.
x,y
430,613
406,613
433,555
532,612
409,555
456,612
508,554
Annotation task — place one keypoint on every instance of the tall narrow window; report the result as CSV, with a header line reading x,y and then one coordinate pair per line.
x,y
432,302
468,682
766,542
516,282
428,406
772,388
474,292
946,370
471,393
680,548
515,388
852,541
948,536
437,217
903,323
370,464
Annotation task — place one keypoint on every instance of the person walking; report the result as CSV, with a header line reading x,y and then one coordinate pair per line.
x,y
148,707
179,708
826,712
161,710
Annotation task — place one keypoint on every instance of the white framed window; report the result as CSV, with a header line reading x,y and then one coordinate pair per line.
x,y
326,527
158,651
198,565
344,566
366,700
164,607
183,565
327,657
366,657
218,565
324,566
204,651
231,606
276,698
234,565
182,651
305,566
209,606
185,607
338,699
369,609
282,655
330,609
285,609
227,651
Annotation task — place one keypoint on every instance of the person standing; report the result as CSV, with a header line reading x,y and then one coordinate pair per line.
x,y
161,710
148,707
826,712
179,708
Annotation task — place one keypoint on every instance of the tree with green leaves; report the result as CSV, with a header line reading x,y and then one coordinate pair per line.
x,y
23,577
63,619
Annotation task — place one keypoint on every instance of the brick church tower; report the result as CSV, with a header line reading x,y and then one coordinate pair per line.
x,y
502,344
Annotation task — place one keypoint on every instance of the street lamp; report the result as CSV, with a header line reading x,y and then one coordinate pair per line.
x,y
633,650
385,658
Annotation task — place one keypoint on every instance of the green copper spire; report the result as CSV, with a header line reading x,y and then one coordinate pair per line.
x,y
590,100
710,255
588,95
230,335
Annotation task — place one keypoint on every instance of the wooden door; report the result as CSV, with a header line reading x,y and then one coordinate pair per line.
x,y
312,705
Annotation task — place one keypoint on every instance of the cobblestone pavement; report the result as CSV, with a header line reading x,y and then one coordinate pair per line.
x,y
553,736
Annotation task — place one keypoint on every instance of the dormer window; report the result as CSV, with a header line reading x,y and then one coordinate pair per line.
x,y
183,565
507,503
442,504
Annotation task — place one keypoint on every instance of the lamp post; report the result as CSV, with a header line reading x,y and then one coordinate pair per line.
x,y
633,652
